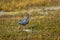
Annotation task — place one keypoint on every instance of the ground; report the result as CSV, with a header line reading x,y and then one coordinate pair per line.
x,y
42,26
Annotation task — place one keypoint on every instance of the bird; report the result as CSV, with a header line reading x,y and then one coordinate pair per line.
x,y
25,21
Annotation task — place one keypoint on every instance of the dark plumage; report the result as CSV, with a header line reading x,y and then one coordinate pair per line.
x,y
25,21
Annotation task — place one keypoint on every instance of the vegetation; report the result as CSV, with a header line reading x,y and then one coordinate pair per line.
x,y
43,28
17,5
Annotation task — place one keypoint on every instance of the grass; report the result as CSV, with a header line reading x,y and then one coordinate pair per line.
x,y
43,27
17,5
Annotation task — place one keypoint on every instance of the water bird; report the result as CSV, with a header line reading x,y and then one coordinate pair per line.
x,y
25,21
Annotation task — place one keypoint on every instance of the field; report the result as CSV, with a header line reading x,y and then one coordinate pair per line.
x,y
17,5
41,26
44,23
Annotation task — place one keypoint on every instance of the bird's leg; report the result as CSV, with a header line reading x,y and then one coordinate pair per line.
x,y
26,26
20,28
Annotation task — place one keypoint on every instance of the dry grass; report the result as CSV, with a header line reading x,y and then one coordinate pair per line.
x,y
43,27
17,5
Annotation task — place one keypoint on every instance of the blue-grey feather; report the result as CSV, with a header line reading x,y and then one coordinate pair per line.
x,y
25,21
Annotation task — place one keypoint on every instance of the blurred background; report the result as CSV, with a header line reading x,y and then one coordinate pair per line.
x,y
17,5
44,23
